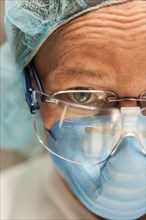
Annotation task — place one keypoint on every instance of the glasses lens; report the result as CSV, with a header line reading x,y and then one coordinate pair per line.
x,y
82,136
86,98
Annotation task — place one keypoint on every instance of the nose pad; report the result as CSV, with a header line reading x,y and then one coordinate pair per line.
x,y
129,119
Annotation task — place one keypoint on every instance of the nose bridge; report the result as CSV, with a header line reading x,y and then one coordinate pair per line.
x,y
129,103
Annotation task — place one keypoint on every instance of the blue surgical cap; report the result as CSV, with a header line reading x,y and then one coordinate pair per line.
x,y
30,22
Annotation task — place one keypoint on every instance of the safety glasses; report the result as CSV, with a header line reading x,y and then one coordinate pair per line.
x,y
90,126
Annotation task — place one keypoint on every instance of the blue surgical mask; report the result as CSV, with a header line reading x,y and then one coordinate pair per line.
x,y
115,189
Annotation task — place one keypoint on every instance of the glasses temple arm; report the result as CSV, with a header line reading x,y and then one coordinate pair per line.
x,y
33,71
30,72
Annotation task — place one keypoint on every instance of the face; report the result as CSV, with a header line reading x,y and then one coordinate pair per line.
x,y
103,49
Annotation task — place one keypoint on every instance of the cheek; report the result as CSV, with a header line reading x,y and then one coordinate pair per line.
x,y
50,114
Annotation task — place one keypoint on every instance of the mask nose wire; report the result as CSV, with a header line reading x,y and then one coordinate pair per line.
x,y
129,120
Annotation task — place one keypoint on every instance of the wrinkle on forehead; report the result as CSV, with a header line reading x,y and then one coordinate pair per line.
x,y
122,24
126,20
114,35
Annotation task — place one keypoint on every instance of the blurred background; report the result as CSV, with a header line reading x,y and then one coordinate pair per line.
x,y
2,35
7,158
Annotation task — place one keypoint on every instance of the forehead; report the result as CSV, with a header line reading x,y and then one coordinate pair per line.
x,y
124,20
114,35
124,23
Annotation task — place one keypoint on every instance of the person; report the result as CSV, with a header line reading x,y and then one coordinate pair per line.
x,y
85,85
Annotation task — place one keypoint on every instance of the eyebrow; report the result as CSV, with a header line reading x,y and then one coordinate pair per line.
x,y
78,72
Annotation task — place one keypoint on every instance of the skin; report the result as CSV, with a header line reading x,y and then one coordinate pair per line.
x,y
103,49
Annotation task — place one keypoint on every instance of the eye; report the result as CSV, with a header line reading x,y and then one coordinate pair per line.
x,y
80,97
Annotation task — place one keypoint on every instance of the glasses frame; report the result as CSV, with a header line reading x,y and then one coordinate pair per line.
x,y
31,73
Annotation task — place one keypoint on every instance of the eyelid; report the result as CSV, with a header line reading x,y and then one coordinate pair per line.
x,y
85,90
